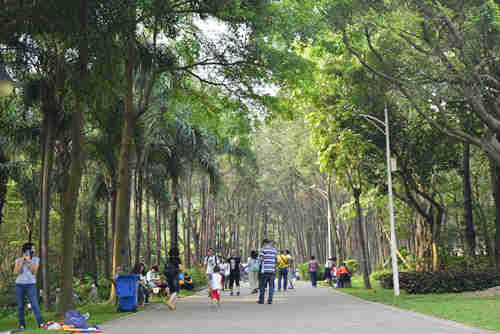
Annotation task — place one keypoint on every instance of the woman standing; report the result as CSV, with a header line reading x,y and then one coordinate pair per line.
x,y
313,270
253,271
26,268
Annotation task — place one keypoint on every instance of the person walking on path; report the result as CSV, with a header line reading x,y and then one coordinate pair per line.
x,y
283,263
172,270
26,268
215,284
209,263
313,271
328,270
268,256
253,271
342,275
234,271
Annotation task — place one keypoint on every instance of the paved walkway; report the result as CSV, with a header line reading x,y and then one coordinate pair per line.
x,y
301,311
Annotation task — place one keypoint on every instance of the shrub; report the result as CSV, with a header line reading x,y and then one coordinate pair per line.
x,y
376,275
352,265
443,281
198,275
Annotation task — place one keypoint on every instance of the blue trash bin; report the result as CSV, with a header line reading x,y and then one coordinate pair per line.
x,y
127,286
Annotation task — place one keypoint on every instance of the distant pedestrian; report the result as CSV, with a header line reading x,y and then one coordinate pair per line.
x,y
209,263
283,263
342,275
26,269
234,263
333,273
253,271
328,271
268,256
313,271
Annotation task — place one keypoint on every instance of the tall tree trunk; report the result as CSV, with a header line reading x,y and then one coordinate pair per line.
x,y
158,233
138,214
45,184
364,255
75,173
4,179
148,231
49,128
495,182
107,274
203,217
189,187
92,254
174,219
121,245
470,234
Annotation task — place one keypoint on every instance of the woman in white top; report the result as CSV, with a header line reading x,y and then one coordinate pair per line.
x,y
26,268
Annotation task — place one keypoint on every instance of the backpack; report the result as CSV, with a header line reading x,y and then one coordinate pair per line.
x,y
216,258
255,266
75,318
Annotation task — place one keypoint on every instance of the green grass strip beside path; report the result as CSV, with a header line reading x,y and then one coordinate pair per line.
x,y
464,308
99,313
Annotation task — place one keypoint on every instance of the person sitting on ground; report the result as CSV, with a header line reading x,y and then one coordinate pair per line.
x,y
153,279
26,269
188,283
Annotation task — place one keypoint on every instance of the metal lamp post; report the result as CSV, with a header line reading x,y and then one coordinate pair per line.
x,y
395,271
6,83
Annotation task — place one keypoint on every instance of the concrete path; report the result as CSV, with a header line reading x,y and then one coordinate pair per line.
x,y
301,311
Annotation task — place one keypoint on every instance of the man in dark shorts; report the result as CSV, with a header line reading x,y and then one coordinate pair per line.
x,y
235,270
172,270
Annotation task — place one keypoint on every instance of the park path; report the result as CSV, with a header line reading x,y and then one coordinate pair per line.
x,y
304,310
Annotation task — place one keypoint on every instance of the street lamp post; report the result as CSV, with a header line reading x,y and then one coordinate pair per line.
x,y
395,271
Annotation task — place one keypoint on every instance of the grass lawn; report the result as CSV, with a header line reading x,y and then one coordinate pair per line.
x,y
99,313
470,310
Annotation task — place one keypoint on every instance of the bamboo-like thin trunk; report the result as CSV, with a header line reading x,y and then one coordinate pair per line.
x,y
148,231
364,255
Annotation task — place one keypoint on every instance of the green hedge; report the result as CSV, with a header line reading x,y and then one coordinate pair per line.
x,y
443,281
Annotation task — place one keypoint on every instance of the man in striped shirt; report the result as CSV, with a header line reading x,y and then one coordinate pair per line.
x,y
268,256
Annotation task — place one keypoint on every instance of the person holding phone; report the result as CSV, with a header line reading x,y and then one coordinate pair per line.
x,y
26,268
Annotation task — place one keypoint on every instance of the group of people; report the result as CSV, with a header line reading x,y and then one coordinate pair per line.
x,y
261,267
226,273
336,277
151,283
